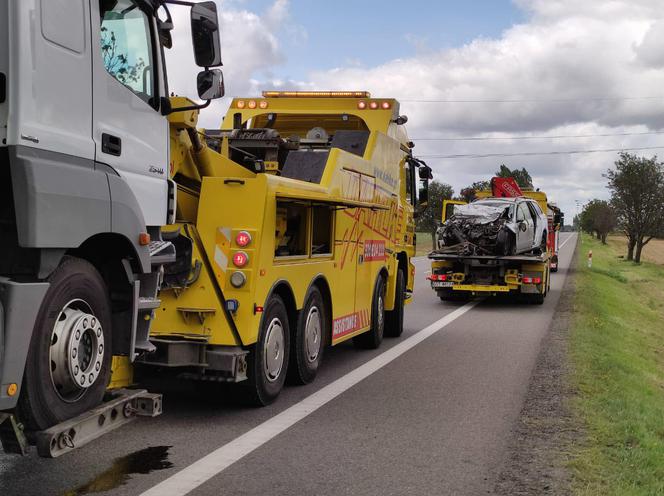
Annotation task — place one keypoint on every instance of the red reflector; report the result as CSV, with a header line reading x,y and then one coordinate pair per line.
x,y
442,278
258,309
243,238
240,259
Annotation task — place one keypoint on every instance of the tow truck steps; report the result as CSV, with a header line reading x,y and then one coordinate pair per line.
x,y
125,406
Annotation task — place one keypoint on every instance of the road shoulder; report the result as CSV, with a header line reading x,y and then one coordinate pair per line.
x,y
535,460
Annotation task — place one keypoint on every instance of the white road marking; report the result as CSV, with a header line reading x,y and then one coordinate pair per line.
x,y
211,465
565,242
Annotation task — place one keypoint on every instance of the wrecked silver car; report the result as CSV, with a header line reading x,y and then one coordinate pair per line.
x,y
494,226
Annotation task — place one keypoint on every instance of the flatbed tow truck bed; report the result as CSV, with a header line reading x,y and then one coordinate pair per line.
x,y
455,276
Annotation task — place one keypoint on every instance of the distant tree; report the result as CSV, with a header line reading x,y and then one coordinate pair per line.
x,y
438,192
637,196
576,223
599,218
470,193
522,177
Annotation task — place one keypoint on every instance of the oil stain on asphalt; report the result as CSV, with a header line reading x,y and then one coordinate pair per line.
x,y
140,462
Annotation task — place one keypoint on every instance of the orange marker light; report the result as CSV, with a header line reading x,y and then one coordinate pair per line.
x,y
252,104
144,239
373,105
12,389
362,105
263,104
386,105
241,104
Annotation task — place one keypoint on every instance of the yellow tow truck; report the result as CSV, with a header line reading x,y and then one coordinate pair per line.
x,y
294,230
461,275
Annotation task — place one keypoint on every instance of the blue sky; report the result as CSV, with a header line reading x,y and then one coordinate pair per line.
x,y
367,33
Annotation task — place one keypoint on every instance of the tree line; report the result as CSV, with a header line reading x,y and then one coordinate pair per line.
x,y
636,206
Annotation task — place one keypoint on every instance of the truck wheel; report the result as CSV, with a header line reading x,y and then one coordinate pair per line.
x,y
268,360
394,318
69,362
371,339
309,343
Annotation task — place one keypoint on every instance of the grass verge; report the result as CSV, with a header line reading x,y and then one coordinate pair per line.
x,y
617,355
424,244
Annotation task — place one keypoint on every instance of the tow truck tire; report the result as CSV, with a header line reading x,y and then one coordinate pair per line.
x,y
267,363
372,339
308,344
69,362
394,318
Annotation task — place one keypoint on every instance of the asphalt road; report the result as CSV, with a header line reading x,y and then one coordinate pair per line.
x,y
428,413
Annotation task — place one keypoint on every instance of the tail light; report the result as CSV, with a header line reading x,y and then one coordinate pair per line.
x,y
438,277
243,239
240,259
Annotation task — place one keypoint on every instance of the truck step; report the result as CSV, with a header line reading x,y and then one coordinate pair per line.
x,y
126,405
145,303
161,252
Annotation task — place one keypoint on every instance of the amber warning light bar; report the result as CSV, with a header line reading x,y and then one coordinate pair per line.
x,y
316,94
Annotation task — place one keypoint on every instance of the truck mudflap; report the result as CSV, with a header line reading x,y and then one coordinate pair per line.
x,y
20,304
124,406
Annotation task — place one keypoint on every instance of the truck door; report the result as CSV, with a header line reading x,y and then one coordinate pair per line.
x,y
526,228
130,133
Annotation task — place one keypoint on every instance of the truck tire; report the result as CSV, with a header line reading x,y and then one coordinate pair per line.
x,y
69,361
308,344
394,318
372,339
267,362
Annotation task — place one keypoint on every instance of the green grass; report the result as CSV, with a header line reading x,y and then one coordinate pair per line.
x,y
617,353
424,244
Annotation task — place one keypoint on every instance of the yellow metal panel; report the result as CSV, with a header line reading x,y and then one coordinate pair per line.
x,y
122,373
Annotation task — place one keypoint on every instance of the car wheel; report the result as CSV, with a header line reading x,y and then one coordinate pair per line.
x,y
69,362
372,339
394,318
309,342
267,362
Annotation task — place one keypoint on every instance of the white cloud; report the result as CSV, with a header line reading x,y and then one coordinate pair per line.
x,y
572,60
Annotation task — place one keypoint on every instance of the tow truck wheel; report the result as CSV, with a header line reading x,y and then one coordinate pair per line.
x,y
268,360
372,339
69,363
309,343
394,318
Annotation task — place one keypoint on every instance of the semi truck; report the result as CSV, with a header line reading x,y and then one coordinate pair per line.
x,y
507,271
294,231
84,174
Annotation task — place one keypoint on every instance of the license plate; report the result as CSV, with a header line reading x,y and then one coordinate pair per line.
x,y
442,284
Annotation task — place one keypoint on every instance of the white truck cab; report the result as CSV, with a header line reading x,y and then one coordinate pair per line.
x,y
84,189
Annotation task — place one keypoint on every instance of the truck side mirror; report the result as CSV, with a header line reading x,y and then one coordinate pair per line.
x,y
205,34
425,172
211,84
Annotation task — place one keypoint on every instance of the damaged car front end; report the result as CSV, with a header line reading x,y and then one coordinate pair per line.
x,y
484,227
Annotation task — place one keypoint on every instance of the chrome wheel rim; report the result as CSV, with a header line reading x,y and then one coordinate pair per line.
x,y
313,334
380,318
273,350
77,349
